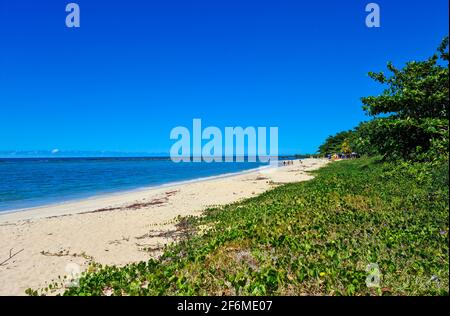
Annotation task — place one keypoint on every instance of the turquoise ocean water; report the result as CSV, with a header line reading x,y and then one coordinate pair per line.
x,y
30,182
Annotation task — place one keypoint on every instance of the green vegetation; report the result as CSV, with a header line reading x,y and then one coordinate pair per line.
x,y
333,144
414,109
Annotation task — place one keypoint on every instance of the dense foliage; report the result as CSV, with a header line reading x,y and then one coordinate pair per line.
x,y
333,144
414,108
315,237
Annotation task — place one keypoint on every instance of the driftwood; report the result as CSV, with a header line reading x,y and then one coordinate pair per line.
x,y
11,255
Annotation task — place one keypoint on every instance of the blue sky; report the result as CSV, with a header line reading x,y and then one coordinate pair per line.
x,y
135,69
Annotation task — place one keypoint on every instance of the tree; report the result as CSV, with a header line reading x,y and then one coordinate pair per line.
x,y
416,101
333,144
346,149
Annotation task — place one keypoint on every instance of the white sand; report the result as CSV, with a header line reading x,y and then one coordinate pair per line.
x,y
77,232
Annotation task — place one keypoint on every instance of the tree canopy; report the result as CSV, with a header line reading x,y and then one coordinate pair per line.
x,y
410,118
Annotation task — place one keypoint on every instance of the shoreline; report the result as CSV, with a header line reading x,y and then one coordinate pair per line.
x,y
122,228
120,192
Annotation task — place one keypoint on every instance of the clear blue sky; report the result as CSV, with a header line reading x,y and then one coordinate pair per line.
x,y
135,69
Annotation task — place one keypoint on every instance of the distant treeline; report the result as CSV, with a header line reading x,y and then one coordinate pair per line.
x,y
410,118
303,156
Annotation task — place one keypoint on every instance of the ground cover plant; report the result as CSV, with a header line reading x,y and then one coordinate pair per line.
x,y
311,238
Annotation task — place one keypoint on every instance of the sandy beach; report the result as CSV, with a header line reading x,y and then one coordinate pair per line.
x,y
119,228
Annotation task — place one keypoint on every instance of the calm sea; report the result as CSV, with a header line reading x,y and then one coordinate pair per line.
x,y
30,182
